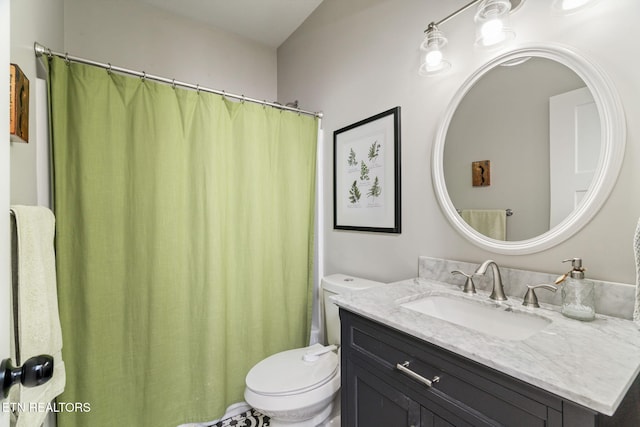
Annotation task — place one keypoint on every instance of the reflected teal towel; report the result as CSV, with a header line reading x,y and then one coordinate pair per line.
x,y
490,222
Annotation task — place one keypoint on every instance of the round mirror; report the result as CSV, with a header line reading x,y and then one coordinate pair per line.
x,y
528,150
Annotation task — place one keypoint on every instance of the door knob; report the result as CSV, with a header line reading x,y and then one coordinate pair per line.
x,y
35,371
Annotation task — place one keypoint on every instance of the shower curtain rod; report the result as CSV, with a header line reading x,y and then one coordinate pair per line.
x,y
41,50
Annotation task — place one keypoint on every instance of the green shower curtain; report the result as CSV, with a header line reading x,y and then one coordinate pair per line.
x,y
184,244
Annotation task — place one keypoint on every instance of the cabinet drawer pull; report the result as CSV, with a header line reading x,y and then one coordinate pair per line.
x,y
404,368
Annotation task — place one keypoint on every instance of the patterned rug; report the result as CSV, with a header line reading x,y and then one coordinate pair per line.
x,y
251,418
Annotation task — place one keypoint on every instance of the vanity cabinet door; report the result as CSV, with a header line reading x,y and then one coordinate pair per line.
x,y
466,394
372,402
429,419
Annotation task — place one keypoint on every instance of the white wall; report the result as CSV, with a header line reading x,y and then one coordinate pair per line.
x,y
142,37
354,59
31,21
5,274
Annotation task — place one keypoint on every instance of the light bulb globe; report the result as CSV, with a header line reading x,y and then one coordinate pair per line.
x,y
573,4
491,21
433,58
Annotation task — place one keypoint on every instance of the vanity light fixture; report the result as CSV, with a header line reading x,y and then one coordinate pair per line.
x,y
492,23
571,6
492,29
433,60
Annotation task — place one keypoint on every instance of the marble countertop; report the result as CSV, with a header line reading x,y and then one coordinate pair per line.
x,y
590,363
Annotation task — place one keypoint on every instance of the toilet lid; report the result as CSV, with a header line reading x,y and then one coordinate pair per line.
x,y
288,373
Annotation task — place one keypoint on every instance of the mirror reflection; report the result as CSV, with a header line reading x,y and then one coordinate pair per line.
x,y
525,138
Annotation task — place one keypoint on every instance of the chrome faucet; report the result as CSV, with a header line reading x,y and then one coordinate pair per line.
x,y
498,290
469,286
531,299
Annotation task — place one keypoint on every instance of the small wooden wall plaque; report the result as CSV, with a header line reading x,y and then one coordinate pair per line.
x,y
481,173
18,105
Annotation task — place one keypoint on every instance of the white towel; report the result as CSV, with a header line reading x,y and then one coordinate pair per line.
x,y
38,321
636,248
490,222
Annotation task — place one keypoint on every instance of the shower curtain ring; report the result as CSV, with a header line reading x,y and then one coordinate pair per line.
x,y
66,58
242,100
144,76
173,83
198,89
49,53
109,69
224,95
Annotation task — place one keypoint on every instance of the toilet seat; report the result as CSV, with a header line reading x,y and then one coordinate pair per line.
x,y
287,373
294,392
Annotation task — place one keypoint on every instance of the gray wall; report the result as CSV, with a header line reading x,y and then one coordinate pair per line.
x,y
142,37
355,59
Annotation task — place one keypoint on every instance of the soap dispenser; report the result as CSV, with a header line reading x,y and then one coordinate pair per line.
x,y
578,298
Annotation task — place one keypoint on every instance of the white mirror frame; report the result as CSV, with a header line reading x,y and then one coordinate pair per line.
x,y
613,130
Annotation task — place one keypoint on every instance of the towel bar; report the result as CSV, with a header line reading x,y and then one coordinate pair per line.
x,y
509,212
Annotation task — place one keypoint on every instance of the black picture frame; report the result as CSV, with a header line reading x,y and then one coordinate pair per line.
x,y
366,174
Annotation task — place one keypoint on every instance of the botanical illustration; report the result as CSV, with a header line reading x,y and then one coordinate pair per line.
x,y
374,151
375,189
364,171
354,193
351,161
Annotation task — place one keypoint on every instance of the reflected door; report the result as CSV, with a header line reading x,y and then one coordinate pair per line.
x,y
574,150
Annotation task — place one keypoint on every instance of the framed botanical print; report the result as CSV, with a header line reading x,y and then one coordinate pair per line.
x,y
366,174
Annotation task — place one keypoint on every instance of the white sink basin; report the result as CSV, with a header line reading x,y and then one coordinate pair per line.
x,y
499,321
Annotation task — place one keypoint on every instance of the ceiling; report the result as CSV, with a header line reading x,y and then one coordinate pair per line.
x,y
269,22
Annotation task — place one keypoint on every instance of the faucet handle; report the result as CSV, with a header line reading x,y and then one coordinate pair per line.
x,y
469,286
531,299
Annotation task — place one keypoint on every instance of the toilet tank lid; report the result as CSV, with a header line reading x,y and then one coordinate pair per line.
x,y
342,283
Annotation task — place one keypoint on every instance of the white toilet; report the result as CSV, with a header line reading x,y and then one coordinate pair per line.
x,y
299,387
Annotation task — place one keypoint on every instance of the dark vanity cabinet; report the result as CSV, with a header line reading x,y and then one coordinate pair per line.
x,y
376,392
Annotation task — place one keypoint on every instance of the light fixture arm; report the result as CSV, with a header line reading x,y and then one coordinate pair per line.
x,y
452,15
492,29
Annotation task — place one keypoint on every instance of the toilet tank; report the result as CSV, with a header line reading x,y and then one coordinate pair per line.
x,y
339,284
